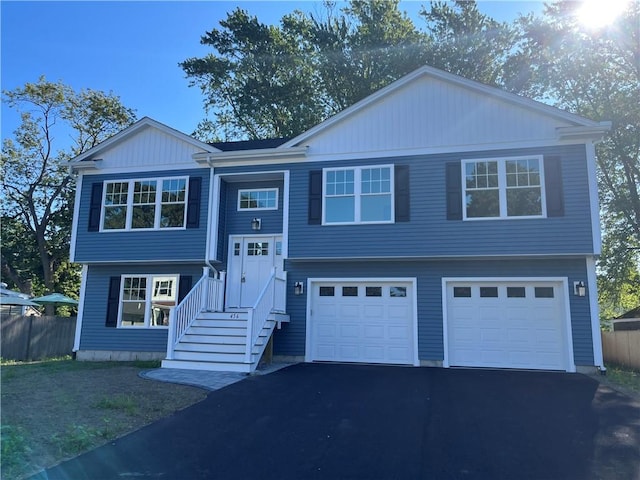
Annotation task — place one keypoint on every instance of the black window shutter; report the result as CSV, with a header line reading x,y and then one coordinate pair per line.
x,y
113,302
95,207
402,197
315,197
193,202
184,287
553,186
454,191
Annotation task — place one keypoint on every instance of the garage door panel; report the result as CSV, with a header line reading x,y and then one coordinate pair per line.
x,y
524,327
373,328
325,331
372,332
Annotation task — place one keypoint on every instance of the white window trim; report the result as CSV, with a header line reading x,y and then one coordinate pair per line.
x,y
249,190
502,188
147,303
357,187
158,204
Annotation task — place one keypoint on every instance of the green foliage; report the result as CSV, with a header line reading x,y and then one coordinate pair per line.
x,y
627,378
37,190
14,451
595,73
468,43
79,438
126,403
265,81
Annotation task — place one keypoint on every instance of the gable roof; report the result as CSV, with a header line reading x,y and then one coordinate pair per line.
x,y
580,126
137,127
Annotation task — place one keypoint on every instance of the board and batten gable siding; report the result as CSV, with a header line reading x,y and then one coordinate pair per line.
x,y
455,116
290,341
428,233
96,336
163,244
152,148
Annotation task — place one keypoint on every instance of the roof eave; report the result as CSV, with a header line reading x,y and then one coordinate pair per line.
x,y
259,154
594,133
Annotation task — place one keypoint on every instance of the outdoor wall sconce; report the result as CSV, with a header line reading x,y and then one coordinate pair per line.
x,y
256,224
298,288
579,289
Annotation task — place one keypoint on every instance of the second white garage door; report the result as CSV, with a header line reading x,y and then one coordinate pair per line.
x,y
507,324
362,321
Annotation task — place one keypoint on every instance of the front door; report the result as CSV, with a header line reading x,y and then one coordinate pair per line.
x,y
251,260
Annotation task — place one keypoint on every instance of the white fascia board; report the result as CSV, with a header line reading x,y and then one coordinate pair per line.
x,y
595,133
137,126
253,156
451,78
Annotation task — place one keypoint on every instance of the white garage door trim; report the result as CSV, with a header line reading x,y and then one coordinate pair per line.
x,y
567,333
411,281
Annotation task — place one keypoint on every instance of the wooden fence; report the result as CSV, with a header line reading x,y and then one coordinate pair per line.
x,y
36,338
622,348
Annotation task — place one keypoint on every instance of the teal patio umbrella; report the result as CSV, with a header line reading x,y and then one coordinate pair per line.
x,y
17,301
55,299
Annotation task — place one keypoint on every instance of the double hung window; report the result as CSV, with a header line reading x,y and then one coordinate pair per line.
x,y
145,204
503,188
145,300
358,195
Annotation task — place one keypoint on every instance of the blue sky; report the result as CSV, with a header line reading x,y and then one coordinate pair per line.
x,y
133,48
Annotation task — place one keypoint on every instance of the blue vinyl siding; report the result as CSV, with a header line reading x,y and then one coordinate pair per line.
x,y
95,336
239,222
429,233
140,246
291,339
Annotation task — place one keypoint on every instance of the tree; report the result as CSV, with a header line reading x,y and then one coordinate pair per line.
x,y
267,81
37,189
596,74
470,44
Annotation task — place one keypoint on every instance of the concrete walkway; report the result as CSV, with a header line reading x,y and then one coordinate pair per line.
x,y
206,379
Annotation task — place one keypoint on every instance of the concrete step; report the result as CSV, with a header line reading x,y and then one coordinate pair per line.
x,y
212,367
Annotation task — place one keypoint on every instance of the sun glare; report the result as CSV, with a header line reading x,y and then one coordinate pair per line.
x,y
600,13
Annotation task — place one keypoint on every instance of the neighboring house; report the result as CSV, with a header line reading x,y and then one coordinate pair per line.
x,y
627,321
437,222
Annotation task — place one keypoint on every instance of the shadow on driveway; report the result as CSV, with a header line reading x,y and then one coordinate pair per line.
x,y
326,421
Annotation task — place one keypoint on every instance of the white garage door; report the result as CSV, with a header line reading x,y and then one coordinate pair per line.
x,y
507,325
362,321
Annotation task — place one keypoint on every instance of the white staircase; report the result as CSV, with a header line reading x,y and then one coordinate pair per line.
x,y
217,341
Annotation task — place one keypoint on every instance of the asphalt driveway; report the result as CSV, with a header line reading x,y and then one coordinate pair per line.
x,y
325,421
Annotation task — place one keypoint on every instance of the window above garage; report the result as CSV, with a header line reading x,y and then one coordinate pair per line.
x,y
503,188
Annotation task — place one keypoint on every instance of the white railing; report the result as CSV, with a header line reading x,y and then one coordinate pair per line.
x,y
258,315
206,294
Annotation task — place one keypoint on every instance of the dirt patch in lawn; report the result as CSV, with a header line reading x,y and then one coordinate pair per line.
x,y
55,410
